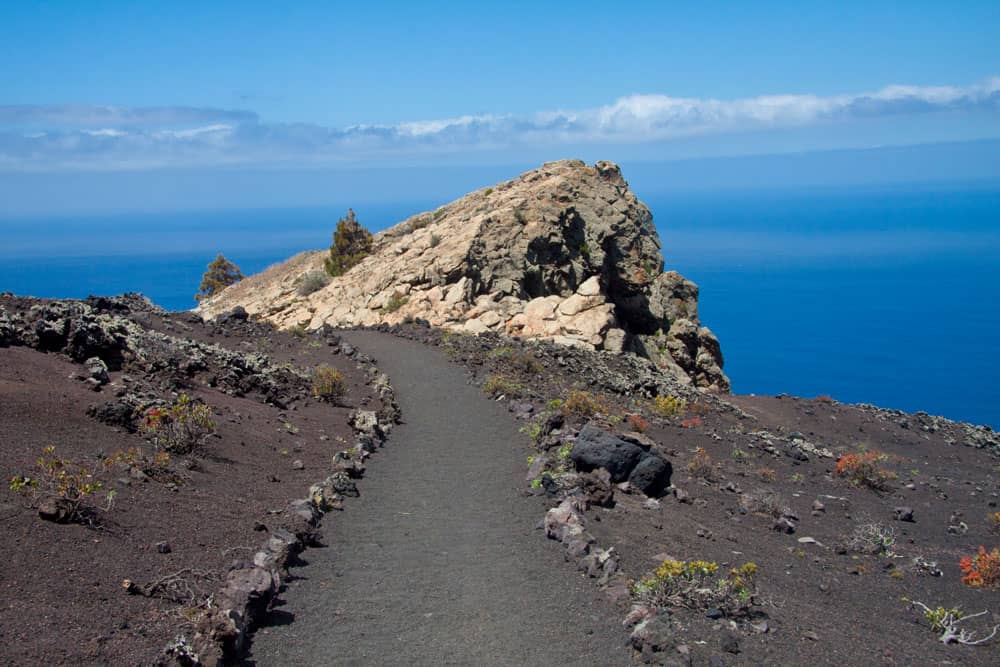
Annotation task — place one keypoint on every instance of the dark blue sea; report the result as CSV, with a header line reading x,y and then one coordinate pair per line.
x,y
887,296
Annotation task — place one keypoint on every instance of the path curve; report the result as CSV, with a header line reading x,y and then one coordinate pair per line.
x,y
439,562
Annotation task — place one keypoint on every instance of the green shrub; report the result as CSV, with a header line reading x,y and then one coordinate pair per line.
x,y
697,585
583,404
394,303
221,274
310,282
181,428
496,385
669,407
68,487
328,383
351,244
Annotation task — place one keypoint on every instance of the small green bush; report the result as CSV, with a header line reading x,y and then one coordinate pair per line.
x,y
583,404
496,385
328,384
669,407
180,429
698,585
394,303
310,282
221,274
70,486
351,244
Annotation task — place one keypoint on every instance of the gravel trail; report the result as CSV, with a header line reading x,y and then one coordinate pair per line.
x,y
439,562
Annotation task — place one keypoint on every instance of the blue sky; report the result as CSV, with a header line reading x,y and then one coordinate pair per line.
x,y
116,87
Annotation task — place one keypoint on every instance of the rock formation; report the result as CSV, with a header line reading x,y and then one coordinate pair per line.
x,y
565,252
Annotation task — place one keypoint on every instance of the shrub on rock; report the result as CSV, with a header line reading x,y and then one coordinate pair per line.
x,y
351,244
221,274
310,282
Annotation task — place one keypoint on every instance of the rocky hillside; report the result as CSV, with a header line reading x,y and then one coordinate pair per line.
x,y
565,252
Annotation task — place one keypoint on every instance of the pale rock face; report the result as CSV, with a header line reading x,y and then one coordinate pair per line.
x,y
565,252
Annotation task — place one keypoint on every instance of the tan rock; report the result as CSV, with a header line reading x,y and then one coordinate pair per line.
x,y
565,252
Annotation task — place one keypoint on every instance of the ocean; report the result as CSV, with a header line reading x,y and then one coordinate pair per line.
x,y
879,295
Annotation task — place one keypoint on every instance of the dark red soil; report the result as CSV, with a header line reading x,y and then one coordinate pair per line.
x,y
61,584
822,604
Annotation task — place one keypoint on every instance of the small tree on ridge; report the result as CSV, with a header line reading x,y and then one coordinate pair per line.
x,y
221,274
351,244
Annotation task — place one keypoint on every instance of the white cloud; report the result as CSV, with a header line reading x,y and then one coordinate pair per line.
x,y
111,137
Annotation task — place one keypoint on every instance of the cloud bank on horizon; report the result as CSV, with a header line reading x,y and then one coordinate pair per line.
x,y
39,138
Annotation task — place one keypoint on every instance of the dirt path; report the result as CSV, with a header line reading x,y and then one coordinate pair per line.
x,y
439,561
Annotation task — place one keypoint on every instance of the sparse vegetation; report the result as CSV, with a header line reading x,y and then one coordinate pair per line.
x,y
501,385
394,303
637,423
434,240
668,407
864,470
582,404
767,474
351,244
221,274
872,538
701,465
181,428
947,621
763,502
69,487
519,216
982,569
310,282
696,585
328,384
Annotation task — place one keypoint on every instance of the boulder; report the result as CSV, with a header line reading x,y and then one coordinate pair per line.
x,y
565,252
651,475
596,448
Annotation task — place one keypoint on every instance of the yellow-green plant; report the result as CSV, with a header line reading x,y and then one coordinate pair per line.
x,y
697,584
497,385
72,485
328,383
583,404
394,303
181,428
668,407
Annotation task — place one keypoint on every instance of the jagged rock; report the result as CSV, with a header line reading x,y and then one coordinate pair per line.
x,y
565,252
118,412
97,370
596,448
597,487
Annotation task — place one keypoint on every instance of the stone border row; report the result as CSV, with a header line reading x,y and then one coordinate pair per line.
x,y
223,631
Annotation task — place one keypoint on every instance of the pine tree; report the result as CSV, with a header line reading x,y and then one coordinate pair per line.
x,y
221,274
351,244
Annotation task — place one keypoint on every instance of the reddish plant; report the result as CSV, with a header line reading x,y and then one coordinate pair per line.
x,y
691,422
638,423
864,470
983,569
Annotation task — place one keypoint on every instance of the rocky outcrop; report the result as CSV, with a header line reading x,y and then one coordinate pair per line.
x,y
565,252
